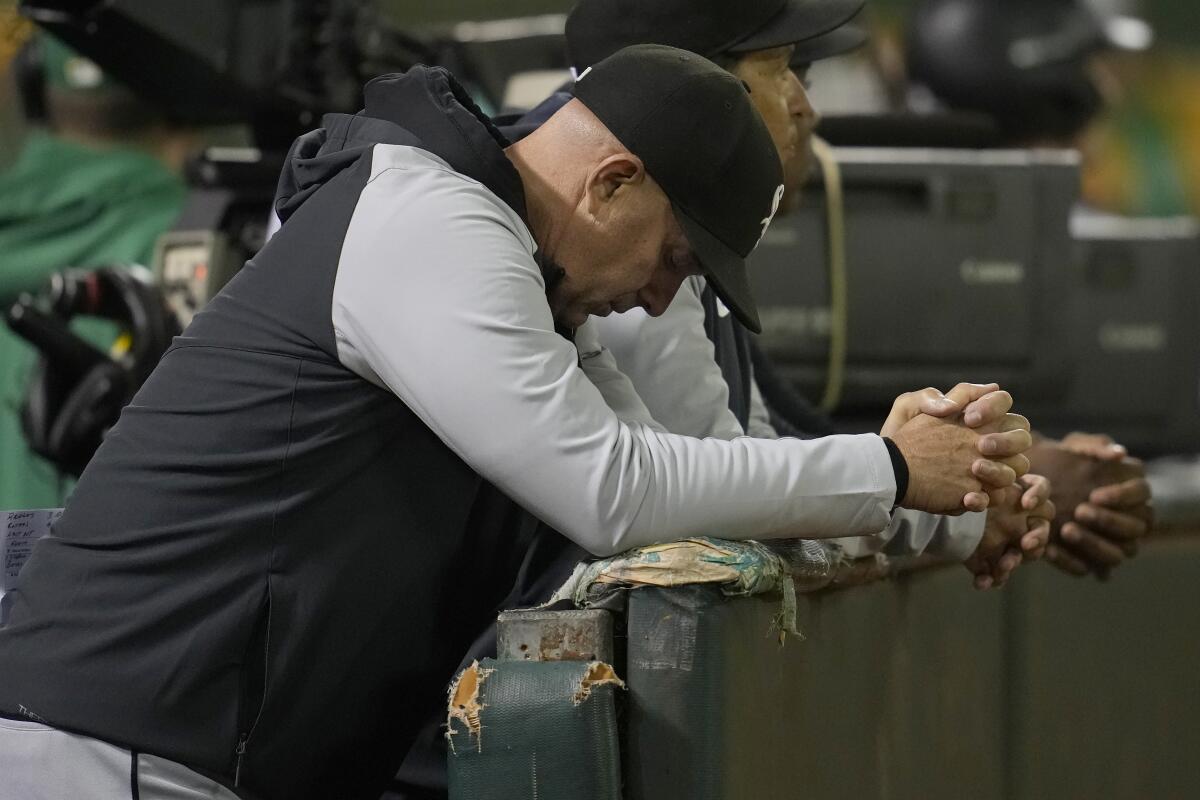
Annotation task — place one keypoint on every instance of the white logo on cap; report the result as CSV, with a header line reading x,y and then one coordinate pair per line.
x,y
766,223
580,75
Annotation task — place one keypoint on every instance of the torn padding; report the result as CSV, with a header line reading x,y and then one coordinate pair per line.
x,y
528,730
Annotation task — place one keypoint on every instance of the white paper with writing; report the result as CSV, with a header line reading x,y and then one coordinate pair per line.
x,y
20,530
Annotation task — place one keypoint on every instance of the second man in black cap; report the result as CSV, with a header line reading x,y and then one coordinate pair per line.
x,y
703,388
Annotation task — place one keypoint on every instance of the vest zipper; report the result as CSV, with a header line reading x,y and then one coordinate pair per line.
x,y
240,750
260,695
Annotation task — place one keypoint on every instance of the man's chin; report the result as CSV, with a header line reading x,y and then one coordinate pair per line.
x,y
791,198
796,174
570,320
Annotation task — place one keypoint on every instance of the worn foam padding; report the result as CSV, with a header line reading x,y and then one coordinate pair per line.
x,y
534,731
739,568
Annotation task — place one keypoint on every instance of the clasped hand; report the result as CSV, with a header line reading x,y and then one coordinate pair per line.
x,y
958,446
965,452
1017,529
1102,499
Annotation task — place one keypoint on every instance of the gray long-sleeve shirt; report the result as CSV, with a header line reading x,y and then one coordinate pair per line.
x,y
670,362
461,331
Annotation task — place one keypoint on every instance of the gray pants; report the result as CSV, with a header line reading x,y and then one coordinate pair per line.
x,y
38,762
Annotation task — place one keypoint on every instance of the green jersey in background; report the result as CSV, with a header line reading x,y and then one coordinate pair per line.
x,y
65,205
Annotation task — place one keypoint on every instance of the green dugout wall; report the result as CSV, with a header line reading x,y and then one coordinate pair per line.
x,y
913,687
921,687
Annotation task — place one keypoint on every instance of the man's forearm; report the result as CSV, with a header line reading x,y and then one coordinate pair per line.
x,y
913,533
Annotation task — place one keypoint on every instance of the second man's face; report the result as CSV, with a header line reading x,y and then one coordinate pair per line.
x,y
779,95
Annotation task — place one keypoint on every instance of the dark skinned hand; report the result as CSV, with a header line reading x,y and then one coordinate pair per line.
x,y
1102,500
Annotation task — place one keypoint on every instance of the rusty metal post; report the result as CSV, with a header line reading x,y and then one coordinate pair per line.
x,y
535,635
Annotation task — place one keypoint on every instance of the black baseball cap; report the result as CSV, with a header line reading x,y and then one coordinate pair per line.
x,y
694,128
834,43
597,28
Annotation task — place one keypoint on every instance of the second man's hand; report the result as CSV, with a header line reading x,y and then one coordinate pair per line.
x,y
1017,530
1103,502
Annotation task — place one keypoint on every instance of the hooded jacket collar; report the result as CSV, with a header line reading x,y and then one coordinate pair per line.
x,y
424,107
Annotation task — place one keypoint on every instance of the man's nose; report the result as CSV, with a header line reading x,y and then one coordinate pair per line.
x,y
659,293
799,104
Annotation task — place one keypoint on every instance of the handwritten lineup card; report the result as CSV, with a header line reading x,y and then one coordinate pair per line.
x,y
20,530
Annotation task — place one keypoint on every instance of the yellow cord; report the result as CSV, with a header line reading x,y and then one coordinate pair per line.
x,y
835,218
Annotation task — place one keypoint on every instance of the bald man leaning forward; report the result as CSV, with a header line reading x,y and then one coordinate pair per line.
x,y
278,555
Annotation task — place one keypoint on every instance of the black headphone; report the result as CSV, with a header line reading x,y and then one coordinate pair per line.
x,y
76,392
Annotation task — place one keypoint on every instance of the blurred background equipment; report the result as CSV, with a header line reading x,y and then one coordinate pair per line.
x,y
509,64
94,182
224,222
1141,150
1025,63
971,76
278,65
271,67
951,255
1133,334
275,65
77,391
966,264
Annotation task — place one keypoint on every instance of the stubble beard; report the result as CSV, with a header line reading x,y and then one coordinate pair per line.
x,y
553,275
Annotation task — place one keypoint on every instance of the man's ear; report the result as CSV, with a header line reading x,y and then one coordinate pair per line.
x,y
610,176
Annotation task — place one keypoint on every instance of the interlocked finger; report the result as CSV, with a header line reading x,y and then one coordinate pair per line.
x,y
1090,546
1005,567
994,474
1127,494
988,409
1066,561
1112,524
1002,444
1036,539
1037,490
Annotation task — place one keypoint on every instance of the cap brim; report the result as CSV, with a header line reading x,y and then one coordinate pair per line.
x,y
835,43
724,269
798,22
